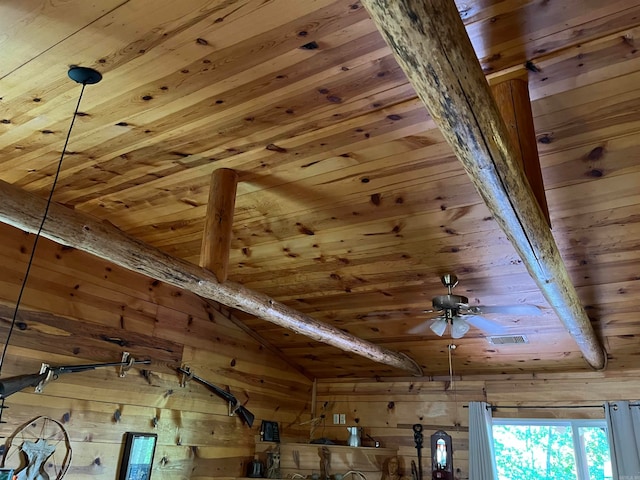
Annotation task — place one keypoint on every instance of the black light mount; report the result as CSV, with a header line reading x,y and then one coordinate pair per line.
x,y
84,75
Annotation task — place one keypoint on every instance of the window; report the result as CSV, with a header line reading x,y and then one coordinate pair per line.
x,y
551,449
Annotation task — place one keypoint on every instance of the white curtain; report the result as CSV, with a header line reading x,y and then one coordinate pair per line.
x,y
482,461
623,422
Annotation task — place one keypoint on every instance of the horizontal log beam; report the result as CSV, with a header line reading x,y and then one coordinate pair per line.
x,y
65,226
430,43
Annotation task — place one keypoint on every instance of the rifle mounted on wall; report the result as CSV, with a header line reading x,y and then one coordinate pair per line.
x,y
11,385
235,408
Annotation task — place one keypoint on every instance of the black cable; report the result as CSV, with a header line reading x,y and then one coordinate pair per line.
x,y
35,241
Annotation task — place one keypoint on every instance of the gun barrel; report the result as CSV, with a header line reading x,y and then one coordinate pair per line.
x,y
239,409
93,366
11,385
217,390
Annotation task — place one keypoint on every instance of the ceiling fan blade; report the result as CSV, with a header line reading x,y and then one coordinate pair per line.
x,y
383,314
422,327
519,309
486,325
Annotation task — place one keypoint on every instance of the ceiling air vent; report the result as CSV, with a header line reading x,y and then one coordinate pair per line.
x,y
507,339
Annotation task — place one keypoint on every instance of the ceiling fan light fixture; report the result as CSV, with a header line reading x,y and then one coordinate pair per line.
x,y
438,326
459,327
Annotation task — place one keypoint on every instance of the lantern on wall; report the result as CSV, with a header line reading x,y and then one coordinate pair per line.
x,y
441,456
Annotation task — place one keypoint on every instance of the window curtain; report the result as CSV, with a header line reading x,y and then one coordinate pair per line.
x,y
482,461
623,422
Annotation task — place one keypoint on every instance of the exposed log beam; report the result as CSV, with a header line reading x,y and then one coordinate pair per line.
x,y
216,240
68,227
431,45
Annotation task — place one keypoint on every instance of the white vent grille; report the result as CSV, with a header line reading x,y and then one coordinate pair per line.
x,y
507,339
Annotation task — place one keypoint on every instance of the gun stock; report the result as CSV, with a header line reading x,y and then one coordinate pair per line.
x,y
245,415
236,407
11,385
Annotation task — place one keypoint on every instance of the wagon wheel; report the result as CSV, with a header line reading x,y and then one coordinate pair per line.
x,y
48,433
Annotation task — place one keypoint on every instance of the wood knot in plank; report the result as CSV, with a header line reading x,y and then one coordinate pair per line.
x,y
275,148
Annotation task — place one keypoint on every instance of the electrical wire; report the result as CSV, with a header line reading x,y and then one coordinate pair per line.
x,y
37,237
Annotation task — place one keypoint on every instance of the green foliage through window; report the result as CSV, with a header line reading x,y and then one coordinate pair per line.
x,y
551,450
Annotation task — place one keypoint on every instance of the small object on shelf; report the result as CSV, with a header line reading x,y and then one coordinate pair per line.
x,y
325,463
255,469
392,469
354,436
273,463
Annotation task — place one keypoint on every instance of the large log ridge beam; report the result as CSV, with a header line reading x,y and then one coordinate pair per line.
x,y
216,240
23,210
431,45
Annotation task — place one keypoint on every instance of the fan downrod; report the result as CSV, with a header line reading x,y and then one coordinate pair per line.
x,y
449,280
450,303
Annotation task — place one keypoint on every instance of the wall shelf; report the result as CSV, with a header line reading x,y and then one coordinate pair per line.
x,y
304,458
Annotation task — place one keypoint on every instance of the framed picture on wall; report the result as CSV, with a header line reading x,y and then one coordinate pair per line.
x,y
137,457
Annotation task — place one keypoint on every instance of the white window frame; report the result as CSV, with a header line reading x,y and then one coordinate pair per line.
x,y
578,446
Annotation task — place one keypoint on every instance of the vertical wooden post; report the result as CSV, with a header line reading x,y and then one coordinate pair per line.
x,y
512,98
216,241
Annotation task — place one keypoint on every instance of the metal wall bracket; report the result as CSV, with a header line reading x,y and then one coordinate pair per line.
x,y
128,362
44,368
186,376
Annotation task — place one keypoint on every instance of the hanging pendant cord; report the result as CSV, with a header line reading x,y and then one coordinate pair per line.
x,y
452,383
35,241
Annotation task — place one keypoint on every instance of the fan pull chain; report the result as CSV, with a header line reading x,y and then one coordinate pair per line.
x,y
452,381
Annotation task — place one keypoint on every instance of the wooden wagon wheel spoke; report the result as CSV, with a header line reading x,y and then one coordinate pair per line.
x,y
41,444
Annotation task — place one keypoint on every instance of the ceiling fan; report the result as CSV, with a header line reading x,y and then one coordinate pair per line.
x,y
456,312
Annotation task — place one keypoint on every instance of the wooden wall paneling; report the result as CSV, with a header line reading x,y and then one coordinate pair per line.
x,y
270,378
586,63
111,243
80,339
123,296
613,157
564,199
93,421
599,119
306,149
114,32
51,27
617,86
193,425
374,250
231,149
504,36
377,403
177,86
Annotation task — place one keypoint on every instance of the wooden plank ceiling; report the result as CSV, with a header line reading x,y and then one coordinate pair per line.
x,y
350,205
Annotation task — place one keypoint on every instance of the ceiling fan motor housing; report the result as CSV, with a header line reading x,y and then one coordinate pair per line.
x,y
449,302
